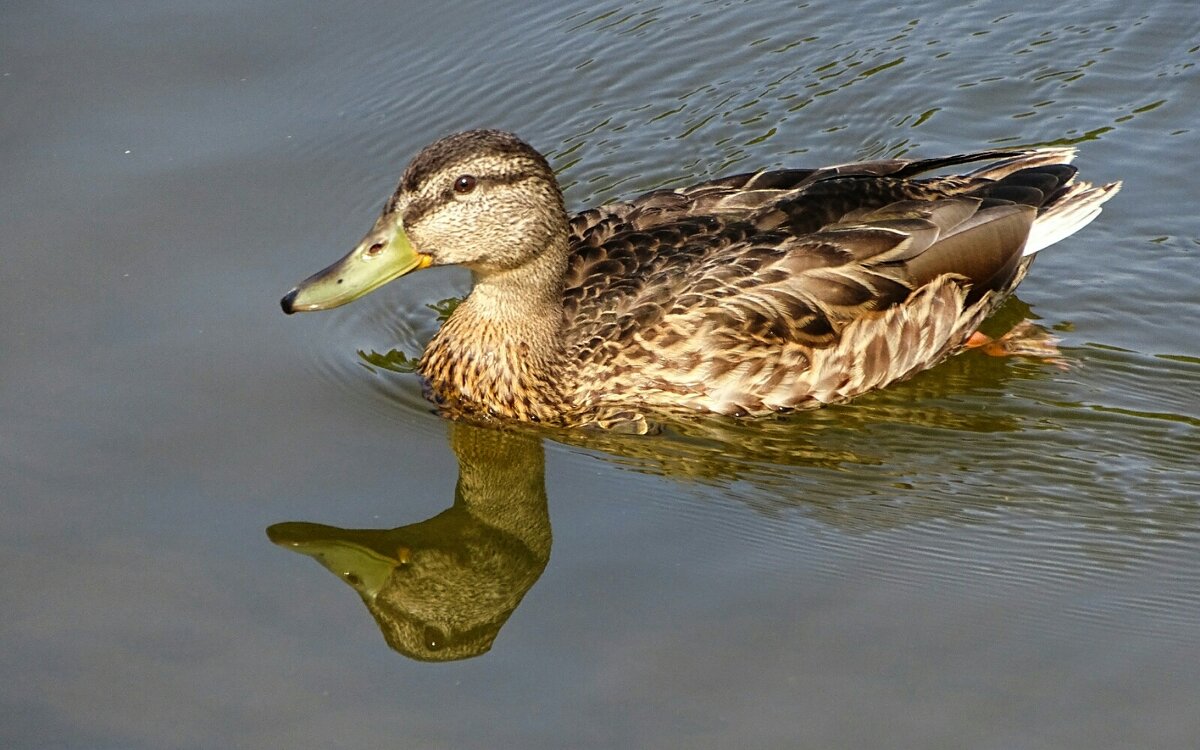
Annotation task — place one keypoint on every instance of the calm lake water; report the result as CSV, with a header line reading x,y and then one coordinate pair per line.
x,y
996,554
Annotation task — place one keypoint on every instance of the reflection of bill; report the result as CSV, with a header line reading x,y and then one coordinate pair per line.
x,y
441,589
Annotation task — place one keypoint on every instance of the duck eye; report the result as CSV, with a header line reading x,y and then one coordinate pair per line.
x,y
465,184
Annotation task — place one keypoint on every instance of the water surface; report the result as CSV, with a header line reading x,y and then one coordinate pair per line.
x,y
996,554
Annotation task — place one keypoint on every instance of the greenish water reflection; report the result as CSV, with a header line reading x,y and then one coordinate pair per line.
x,y
947,446
442,588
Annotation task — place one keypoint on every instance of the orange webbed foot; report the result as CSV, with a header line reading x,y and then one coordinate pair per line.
x,y
1026,339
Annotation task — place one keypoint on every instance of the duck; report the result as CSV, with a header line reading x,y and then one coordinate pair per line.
x,y
746,295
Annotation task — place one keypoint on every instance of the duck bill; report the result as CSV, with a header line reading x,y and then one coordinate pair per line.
x,y
347,553
383,255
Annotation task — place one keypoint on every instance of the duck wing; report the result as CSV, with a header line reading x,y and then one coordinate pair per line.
x,y
759,292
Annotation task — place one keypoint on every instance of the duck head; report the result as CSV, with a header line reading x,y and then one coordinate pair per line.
x,y
483,199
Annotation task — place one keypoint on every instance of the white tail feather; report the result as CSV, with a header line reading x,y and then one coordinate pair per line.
x,y
1069,213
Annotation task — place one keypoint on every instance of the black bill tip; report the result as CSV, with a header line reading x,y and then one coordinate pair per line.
x,y
288,300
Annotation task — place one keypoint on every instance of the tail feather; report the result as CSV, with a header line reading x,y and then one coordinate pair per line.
x,y
1068,212
1062,211
1015,161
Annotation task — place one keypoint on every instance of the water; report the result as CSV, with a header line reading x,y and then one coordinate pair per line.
x,y
995,554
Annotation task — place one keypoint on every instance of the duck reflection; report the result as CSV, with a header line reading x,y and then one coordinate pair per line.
x,y
442,588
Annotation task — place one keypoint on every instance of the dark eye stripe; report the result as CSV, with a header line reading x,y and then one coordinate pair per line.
x,y
421,207
506,178
418,208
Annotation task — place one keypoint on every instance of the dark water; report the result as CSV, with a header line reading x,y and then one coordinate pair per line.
x,y
997,554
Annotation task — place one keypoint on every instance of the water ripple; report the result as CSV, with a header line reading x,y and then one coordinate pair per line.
x,y
1019,479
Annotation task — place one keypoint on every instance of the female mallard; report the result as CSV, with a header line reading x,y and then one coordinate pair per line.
x,y
743,295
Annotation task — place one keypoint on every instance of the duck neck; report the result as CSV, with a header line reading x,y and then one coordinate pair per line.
x,y
501,350
501,483
530,292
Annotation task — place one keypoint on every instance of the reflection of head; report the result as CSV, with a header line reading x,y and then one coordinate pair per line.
x,y
461,581
442,588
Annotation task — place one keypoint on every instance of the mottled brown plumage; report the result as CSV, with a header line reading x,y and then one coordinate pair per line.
x,y
744,295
